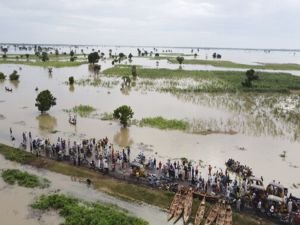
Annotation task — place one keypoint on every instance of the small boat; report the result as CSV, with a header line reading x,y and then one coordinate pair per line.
x,y
221,215
179,209
212,214
188,206
200,212
208,197
228,217
174,205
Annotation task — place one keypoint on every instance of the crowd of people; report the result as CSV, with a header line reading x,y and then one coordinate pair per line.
x,y
102,155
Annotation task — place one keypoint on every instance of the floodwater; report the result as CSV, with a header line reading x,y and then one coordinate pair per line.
x,y
15,201
264,137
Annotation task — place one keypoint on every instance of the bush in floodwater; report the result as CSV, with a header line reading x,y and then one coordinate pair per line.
x,y
180,59
82,213
24,179
2,76
133,71
71,80
83,110
124,113
250,76
45,100
14,75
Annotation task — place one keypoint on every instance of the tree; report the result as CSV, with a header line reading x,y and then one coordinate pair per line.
x,y
45,56
156,55
27,56
124,113
71,80
56,52
133,71
110,53
14,75
72,53
139,52
2,76
45,101
93,57
130,56
250,76
180,59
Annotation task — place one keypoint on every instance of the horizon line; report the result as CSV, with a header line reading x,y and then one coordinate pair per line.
x,y
154,46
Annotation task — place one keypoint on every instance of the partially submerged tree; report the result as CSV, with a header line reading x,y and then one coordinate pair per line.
x,y
133,71
2,76
44,56
250,76
14,75
45,101
124,114
180,59
71,80
93,57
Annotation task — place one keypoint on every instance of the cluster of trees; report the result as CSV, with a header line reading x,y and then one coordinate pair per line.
x,y
216,56
250,76
13,76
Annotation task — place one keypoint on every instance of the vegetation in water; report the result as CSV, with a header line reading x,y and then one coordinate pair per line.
x,y
107,116
83,110
12,176
14,75
162,123
71,80
82,213
50,63
216,81
45,100
2,76
230,64
123,113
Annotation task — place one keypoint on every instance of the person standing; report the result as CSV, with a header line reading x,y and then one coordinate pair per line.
x,y
238,205
259,206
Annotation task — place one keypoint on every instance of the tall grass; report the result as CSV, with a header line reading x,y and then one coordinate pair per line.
x,y
216,81
230,64
162,123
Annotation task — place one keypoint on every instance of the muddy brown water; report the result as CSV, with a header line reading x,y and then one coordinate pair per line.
x,y
262,151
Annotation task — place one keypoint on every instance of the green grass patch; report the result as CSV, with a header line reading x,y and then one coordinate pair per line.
x,y
15,155
230,64
82,213
24,179
56,64
162,123
83,110
215,81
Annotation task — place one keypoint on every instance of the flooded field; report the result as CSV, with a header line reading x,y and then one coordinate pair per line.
x,y
263,133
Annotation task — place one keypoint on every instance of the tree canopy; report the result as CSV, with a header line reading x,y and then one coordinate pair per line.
x,y
45,100
93,57
124,113
180,59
